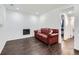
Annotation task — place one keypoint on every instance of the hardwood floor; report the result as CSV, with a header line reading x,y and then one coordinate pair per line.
x,y
68,46
32,46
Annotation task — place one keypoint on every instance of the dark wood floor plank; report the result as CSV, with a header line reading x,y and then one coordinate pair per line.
x,y
32,46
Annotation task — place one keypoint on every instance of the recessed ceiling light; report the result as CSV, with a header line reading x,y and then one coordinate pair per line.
x,y
17,8
70,12
37,13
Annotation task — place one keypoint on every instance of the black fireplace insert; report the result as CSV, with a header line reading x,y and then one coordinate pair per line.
x,y
26,31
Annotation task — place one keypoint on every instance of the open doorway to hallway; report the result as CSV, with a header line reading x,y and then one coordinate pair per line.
x,y
67,26
67,31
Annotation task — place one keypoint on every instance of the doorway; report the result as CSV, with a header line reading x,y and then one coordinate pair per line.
x,y
62,26
67,32
67,26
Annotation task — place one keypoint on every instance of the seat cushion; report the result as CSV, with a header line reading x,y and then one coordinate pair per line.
x,y
42,35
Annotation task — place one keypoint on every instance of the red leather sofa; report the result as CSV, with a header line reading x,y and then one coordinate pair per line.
x,y
47,35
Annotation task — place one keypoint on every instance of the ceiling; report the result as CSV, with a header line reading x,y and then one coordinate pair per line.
x,y
34,8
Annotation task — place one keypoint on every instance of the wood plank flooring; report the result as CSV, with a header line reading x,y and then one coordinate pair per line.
x,y
32,46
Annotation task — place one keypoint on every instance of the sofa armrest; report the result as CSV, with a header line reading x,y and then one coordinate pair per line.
x,y
53,38
52,35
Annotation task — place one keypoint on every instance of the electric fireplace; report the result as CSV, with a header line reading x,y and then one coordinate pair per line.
x,y
26,31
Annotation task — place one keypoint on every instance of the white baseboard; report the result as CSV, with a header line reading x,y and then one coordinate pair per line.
x,y
2,46
21,37
76,49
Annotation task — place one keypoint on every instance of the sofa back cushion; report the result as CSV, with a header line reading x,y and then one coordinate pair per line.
x,y
55,30
45,31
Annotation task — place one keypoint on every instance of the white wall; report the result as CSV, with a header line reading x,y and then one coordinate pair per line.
x,y
68,28
2,27
16,22
76,33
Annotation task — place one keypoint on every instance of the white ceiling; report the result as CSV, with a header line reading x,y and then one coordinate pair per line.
x,y
34,8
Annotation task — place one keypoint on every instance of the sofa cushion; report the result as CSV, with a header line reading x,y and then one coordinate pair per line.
x,y
42,35
45,31
55,30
